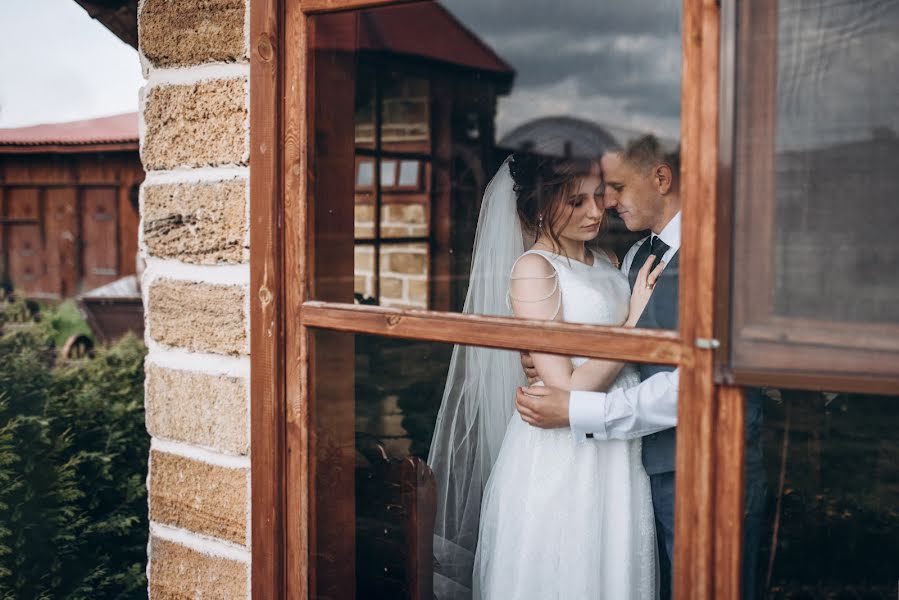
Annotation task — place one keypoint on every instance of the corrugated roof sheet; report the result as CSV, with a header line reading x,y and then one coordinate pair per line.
x,y
104,130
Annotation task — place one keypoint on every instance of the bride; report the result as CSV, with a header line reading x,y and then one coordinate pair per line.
x,y
526,512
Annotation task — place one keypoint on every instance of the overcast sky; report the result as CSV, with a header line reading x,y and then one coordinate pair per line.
x,y
614,63
58,64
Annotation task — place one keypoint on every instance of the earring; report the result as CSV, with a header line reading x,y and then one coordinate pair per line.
x,y
540,222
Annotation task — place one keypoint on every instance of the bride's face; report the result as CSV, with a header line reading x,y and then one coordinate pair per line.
x,y
578,216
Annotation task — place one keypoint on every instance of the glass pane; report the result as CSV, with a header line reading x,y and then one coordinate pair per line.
x,y
444,93
837,125
388,173
365,177
817,172
823,487
409,173
420,460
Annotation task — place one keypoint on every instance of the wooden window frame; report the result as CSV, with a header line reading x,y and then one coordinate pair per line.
x,y
282,316
756,344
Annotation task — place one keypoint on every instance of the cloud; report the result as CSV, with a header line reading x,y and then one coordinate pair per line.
x,y
620,59
58,64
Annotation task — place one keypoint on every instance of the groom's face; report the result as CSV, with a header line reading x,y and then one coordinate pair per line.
x,y
631,192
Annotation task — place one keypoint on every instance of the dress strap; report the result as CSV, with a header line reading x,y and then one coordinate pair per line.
x,y
554,275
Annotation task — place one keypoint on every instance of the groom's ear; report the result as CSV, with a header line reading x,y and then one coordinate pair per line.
x,y
664,178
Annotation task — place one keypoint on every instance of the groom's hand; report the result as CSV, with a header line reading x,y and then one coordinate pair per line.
x,y
543,407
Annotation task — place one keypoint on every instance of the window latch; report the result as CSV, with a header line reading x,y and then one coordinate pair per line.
x,y
708,343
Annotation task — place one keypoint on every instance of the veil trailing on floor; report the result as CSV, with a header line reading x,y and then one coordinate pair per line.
x,y
478,399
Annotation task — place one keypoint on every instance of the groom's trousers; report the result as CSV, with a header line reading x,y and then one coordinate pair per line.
x,y
662,485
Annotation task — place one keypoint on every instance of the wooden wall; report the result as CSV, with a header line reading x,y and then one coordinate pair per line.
x,y
68,222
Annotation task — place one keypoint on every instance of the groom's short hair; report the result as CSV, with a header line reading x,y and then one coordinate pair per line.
x,y
645,152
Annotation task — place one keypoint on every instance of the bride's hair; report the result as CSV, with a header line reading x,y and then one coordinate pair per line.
x,y
542,183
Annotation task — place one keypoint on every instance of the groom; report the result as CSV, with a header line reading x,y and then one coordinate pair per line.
x,y
641,183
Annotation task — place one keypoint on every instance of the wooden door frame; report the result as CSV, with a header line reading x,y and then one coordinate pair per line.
x,y
709,452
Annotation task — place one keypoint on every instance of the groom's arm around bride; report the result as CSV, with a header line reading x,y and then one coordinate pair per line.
x,y
625,413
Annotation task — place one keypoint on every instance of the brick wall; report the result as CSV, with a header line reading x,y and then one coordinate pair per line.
x,y
195,240
404,267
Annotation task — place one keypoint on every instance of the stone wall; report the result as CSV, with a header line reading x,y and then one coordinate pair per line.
x,y
195,240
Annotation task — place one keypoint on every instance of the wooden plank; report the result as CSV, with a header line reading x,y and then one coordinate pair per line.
x,y
296,132
129,220
639,345
267,455
730,449
812,381
694,522
754,153
99,247
61,227
321,6
725,191
26,254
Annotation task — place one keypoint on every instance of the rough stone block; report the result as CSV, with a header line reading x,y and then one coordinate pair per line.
x,y
178,573
196,408
197,496
190,32
391,287
203,223
202,317
418,291
364,259
196,125
406,262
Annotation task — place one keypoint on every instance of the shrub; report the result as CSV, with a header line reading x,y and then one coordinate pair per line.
x,y
73,454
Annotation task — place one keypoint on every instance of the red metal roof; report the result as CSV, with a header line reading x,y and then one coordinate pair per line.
x,y
105,130
420,29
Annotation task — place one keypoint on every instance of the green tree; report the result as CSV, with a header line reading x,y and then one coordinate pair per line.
x,y
73,452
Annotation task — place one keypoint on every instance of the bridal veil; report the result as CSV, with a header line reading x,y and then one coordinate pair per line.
x,y
478,399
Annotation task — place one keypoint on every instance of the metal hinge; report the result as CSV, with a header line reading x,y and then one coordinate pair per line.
x,y
708,343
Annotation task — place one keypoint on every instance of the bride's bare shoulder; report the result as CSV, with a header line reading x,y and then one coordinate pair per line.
x,y
532,265
534,291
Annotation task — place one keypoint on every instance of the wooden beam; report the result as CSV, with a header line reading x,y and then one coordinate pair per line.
x,y
694,549
730,450
267,385
638,345
118,16
295,165
321,6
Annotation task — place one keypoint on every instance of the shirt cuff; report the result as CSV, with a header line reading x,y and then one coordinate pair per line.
x,y
586,414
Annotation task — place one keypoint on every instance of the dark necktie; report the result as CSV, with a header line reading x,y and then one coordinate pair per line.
x,y
657,248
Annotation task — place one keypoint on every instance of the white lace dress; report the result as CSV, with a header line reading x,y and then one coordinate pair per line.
x,y
568,521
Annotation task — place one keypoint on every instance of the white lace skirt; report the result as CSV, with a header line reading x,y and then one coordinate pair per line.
x,y
565,521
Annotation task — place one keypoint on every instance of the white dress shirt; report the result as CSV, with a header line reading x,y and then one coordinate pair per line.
x,y
637,411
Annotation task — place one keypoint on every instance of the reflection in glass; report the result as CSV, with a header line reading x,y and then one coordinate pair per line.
x,y
388,173
836,163
366,176
409,174
829,524
444,92
405,436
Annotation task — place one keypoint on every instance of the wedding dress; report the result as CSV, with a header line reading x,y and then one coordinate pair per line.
x,y
565,520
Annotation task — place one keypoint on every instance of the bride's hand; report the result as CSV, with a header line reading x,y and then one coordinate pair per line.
x,y
530,369
646,280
